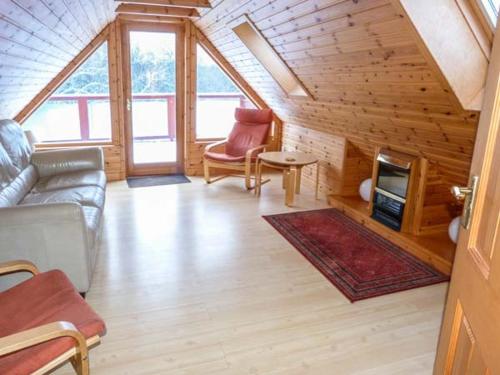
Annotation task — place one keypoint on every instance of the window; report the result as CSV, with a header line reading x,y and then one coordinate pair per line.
x,y
79,111
490,8
258,45
217,98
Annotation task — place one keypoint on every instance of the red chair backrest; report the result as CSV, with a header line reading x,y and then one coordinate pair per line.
x,y
250,130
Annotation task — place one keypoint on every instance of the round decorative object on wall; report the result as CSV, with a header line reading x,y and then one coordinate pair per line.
x,y
365,189
454,228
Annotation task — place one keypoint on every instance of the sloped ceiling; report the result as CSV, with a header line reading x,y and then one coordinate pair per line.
x,y
361,61
359,58
38,38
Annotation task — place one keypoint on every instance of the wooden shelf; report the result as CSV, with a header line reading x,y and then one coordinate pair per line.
x,y
435,249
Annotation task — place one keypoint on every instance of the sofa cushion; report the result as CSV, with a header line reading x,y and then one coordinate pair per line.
x,y
7,170
19,187
15,143
85,195
92,219
71,180
45,298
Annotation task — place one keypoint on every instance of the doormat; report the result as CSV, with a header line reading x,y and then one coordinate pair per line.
x,y
172,179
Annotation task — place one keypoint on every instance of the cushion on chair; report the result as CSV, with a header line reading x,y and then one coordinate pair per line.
x,y
250,130
45,298
253,116
224,157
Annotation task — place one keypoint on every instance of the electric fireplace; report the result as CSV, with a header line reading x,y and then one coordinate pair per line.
x,y
391,189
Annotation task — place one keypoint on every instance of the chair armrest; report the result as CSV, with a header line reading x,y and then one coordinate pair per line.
x,y
214,145
250,152
38,335
52,162
18,266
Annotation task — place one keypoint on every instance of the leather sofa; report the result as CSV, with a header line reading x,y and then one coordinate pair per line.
x,y
51,205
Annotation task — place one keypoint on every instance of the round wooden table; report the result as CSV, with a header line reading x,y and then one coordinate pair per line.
x,y
291,163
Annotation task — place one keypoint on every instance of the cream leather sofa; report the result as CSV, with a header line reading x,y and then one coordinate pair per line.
x,y
51,204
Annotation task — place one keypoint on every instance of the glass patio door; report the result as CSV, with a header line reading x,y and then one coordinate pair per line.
x,y
153,144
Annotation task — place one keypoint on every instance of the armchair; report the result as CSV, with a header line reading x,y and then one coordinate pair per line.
x,y
246,140
44,323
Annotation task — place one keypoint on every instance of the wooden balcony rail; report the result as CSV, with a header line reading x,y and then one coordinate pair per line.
x,y
169,98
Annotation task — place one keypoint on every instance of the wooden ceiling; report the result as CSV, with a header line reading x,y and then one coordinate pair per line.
x,y
371,80
361,60
38,38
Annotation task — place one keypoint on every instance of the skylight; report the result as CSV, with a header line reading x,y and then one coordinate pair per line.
x,y
490,7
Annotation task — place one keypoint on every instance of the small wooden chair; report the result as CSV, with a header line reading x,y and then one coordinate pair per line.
x,y
44,322
240,149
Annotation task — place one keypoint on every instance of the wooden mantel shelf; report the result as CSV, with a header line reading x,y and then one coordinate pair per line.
x,y
435,249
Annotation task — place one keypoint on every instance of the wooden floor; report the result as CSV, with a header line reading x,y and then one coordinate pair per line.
x,y
191,280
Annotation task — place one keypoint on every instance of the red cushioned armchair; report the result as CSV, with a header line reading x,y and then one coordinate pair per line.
x,y
44,322
240,149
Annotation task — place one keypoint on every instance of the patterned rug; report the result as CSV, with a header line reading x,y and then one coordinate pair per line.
x,y
359,262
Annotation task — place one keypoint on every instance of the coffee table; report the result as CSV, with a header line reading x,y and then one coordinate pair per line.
x,y
291,163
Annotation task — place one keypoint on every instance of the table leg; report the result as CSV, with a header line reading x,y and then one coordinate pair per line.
x,y
317,180
285,178
290,187
298,179
258,177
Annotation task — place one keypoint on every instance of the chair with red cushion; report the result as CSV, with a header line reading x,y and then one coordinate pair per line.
x,y
239,151
44,322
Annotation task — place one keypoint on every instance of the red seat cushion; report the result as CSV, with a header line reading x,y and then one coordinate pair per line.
x,y
45,298
250,130
224,157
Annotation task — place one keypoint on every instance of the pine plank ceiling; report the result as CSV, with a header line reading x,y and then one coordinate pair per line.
x,y
362,62
38,38
358,58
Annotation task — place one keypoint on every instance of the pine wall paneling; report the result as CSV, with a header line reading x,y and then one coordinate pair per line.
x,y
372,83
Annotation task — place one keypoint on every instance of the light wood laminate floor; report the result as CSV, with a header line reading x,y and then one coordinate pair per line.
x,y
191,280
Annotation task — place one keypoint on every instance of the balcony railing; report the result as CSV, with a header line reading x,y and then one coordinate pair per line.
x,y
162,130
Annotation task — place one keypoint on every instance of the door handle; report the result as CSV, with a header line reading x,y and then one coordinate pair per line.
x,y
129,105
468,195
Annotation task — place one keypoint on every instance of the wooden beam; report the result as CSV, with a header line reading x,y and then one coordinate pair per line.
x,y
148,18
174,3
154,10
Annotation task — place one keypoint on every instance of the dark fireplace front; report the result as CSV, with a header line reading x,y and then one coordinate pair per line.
x,y
391,190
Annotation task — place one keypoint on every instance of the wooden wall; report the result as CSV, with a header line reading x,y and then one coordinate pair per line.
x,y
371,81
38,39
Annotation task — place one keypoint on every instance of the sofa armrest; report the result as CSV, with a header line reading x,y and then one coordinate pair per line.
x,y
52,236
52,162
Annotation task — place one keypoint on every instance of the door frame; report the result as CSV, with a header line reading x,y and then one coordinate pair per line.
x,y
154,168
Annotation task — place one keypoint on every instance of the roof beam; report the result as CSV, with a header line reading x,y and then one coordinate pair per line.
x,y
174,3
154,10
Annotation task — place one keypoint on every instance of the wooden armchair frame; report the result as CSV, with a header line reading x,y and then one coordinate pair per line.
x,y
245,167
78,355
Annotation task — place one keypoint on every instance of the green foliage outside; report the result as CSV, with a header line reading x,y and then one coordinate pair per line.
x,y
153,73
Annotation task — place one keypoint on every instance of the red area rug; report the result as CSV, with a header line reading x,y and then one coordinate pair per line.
x,y
359,262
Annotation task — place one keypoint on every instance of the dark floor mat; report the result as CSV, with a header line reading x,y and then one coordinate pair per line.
x,y
173,179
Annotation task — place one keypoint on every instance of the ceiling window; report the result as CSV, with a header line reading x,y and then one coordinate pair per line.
x,y
490,8
79,110
217,98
